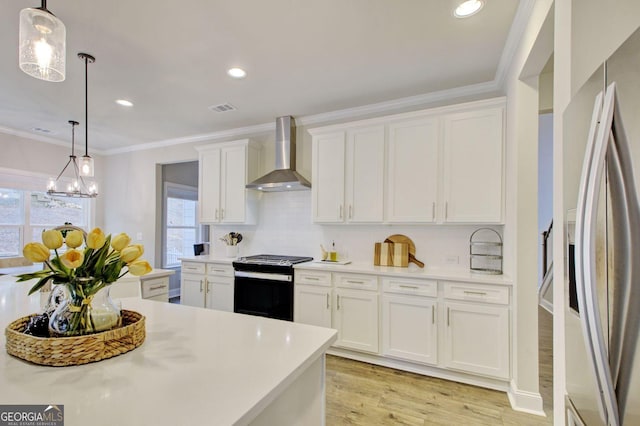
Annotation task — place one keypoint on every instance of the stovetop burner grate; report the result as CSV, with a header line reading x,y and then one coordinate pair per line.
x,y
273,259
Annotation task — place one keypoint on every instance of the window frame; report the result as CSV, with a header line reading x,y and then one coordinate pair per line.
x,y
192,194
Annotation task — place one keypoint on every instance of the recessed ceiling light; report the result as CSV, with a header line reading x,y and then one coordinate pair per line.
x,y
237,73
468,8
124,102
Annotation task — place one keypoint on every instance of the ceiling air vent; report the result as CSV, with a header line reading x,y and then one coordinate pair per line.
x,y
222,108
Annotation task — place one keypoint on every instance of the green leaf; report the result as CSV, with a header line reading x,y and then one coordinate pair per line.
x,y
32,275
39,284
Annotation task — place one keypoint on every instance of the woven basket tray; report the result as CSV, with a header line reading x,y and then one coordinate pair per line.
x,y
65,351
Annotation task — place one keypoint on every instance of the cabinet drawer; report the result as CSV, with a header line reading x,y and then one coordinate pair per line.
x,y
365,282
408,286
313,278
193,267
155,287
220,270
477,293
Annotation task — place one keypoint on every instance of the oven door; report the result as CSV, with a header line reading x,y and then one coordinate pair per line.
x,y
264,294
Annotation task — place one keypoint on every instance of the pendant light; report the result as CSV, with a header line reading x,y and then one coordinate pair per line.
x,y
42,44
78,188
86,163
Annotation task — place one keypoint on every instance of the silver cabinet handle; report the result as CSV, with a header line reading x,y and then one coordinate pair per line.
x,y
350,211
433,210
340,216
433,314
476,293
446,210
219,270
221,214
327,300
208,287
157,287
412,287
215,216
312,278
201,286
338,300
448,315
355,282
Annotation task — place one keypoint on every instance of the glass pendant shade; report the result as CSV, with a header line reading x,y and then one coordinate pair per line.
x,y
86,166
42,45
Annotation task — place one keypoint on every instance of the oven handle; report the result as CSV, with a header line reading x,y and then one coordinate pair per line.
x,y
264,276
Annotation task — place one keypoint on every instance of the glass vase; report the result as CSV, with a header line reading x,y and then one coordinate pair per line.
x,y
78,314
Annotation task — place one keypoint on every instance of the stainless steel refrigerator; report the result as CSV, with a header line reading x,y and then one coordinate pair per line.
x,y
603,311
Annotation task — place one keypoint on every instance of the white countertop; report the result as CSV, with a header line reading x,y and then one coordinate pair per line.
x,y
197,366
412,271
208,258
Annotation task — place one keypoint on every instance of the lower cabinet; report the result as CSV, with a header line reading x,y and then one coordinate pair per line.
x,y
476,339
207,285
457,326
356,319
313,305
409,328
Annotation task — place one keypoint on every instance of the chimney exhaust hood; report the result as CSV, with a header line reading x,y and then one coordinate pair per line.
x,y
284,177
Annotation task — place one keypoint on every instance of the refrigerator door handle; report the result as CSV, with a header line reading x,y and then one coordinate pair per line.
x,y
586,217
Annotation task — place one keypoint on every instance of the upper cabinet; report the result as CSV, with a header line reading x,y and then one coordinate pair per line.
x,y
350,165
223,173
444,165
473,166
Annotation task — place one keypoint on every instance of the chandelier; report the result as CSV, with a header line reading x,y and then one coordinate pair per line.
x,y
42,44
78,187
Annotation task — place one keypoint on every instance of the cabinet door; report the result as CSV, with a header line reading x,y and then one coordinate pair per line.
x,y
412,161
356,318
209,185
220,293
232,190
312,305
365,175
477,339
409,329
473,166
192,290
327,188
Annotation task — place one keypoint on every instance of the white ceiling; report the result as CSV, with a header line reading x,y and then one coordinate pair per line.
x,y
302,57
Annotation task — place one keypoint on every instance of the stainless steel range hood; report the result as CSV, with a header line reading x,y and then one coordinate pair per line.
x,y
284,177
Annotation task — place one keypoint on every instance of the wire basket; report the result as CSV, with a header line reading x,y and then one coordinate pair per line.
x,y
485,252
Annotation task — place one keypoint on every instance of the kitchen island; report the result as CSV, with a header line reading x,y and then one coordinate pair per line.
x,y
197,366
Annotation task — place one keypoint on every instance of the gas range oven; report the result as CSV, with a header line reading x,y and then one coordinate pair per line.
x,y
263,285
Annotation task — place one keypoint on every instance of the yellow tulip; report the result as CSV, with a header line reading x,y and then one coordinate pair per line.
x,y
72,258
131,253
74,238
52,238
36,252
120,241
96,239
139,267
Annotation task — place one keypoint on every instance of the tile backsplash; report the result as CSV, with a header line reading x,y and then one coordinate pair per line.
x,y
284,227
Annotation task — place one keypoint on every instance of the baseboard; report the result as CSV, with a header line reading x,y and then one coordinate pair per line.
x,y
527,402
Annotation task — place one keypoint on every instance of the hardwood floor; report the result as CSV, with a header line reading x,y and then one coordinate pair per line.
x,y
363,394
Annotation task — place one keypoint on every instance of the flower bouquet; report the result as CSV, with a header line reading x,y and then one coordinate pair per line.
x,y
77,306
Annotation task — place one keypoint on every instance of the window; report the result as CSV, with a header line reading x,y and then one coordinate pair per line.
x,y
181,223
25,211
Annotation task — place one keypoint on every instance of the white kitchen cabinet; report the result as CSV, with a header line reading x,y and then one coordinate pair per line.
x,y
224,170
477,335
327,189
410,320
355,316
474,166
156,288
313,305
207,285
313,298
348,176
219,287
413,174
